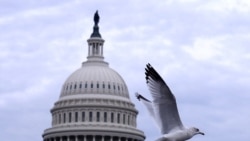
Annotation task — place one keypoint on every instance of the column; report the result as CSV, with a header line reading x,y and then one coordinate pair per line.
x,y
66,117
80,116
76,138
56,118
93,116
84,138
53,119
90,49
115,117
101,49
73,116
103,138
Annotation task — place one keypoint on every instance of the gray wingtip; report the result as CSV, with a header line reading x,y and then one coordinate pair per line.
x,y
138,96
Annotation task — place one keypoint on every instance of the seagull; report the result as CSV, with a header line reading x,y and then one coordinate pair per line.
x,y
163,109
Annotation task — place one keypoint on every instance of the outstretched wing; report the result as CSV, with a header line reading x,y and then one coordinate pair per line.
x,y
164,103
148,105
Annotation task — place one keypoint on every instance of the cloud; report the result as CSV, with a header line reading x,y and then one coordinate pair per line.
x,y
226,6
200,49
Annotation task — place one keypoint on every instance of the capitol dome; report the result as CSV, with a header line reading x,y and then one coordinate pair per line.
x,y
95,78
94,104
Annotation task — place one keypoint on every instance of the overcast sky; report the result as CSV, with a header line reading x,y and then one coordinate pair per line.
x,y
201,49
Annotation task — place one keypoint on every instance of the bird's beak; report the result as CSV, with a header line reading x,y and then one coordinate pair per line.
x,y
201,133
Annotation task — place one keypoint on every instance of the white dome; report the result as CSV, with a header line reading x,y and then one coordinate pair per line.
x,y
94,103
95,78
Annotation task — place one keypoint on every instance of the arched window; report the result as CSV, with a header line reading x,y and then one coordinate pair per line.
x,y
124,118
118,118
80,86
60,118
83,116
70,116
105,116
98,116
97,85
93,49
86,85
76,116
91,85
75,86
112,117
90,117
64,117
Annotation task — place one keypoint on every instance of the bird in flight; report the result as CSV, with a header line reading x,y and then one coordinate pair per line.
x,y
163,109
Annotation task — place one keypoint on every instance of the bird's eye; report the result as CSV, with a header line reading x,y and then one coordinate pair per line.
x,y
197,130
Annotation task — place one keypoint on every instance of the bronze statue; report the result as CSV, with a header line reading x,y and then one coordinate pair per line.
x,y
96,18
96,28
